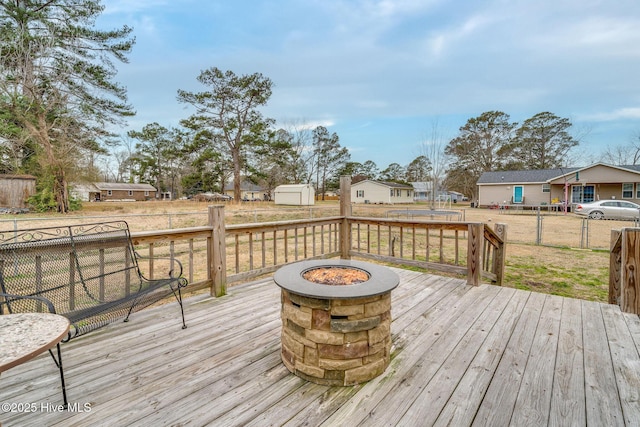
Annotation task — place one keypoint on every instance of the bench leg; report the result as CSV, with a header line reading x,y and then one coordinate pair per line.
x,y
179,297
58,363
126,319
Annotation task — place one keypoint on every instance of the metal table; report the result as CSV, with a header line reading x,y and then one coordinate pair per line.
x,y
24,336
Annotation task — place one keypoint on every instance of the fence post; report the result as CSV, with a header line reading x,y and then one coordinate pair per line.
x,y
584,234
474,251
345,213
630,271
614,268
500,253
216,251
539,228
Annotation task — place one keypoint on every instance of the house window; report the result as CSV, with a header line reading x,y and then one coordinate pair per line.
x,y
131,192
109,193
146,193
398,193
627,190
546,188
582,193
360,193
392,193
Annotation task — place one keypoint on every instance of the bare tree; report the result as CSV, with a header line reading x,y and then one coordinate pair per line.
x,y
301,165
432,147
628,154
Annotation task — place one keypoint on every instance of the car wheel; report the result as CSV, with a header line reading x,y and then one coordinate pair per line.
x,y
596,215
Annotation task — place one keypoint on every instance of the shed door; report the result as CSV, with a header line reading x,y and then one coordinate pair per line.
x,y
517,193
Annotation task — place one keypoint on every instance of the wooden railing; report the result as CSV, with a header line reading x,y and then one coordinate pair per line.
x,y
258,249
624,269
215,255
433,245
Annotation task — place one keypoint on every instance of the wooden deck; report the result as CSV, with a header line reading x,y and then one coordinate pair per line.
x,y
461,356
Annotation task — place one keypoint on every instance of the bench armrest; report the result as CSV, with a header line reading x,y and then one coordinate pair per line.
x,y
172,274
8,298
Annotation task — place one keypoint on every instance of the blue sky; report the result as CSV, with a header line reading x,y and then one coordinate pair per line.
x,y
383,74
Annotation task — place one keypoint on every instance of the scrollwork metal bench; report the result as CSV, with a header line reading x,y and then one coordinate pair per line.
x,y
88,273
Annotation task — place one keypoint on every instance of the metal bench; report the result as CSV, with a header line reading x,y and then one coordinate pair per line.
x,y
88,273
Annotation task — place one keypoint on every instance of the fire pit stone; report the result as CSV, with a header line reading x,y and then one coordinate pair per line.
x,y
336,334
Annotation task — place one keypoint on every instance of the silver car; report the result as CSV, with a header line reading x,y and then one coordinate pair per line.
x,y
609,209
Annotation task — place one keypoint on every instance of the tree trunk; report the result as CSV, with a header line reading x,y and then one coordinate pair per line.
x,y
59,189
236,175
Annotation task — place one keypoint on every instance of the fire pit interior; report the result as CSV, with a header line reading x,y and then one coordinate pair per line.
x,y
336,320
336,275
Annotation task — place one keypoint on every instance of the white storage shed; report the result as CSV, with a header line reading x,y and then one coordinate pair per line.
x,y
295,194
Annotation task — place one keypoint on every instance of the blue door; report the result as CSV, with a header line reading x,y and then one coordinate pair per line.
x,y
518,190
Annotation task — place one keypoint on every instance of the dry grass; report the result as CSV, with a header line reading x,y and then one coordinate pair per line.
x,y
554,267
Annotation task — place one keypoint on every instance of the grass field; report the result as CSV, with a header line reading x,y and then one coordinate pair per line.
x,y
571,261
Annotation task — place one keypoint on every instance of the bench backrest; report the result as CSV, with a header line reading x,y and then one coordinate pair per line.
x,y
75,267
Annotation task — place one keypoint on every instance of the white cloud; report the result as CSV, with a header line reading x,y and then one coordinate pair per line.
x,y
461,32
619,114
605,35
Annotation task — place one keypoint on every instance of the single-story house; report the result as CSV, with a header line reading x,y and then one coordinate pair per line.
x,y
369,191
422,192
86,192
599,181
16,189
294,194
248,191
123,192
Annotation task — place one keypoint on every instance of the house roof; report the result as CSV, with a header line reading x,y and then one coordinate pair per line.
x,y
422,186
88,187
244,186
385,183
542,175
532,176
123,186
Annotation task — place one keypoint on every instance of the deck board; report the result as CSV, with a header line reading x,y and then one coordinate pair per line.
x,y
460,356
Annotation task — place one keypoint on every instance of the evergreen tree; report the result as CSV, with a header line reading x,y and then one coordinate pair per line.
x,y
228,114
542,142
56,86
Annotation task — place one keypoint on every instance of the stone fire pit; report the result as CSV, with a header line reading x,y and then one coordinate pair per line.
x,y
338,331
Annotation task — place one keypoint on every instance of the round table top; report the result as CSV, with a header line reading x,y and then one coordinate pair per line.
x,y
23,336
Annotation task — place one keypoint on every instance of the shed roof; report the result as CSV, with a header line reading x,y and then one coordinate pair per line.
x,y
291,188
10,176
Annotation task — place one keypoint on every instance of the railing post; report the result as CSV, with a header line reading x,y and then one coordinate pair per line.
x,y
614,268
216,251
345,213
630,271
500,253
474,251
